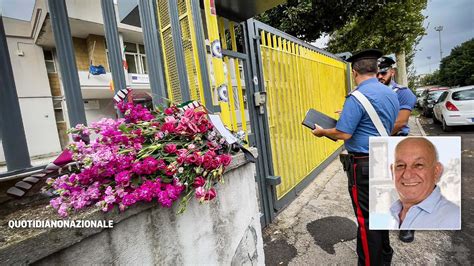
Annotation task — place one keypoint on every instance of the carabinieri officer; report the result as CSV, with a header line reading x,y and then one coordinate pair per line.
x,y
355,127
407,101
406,98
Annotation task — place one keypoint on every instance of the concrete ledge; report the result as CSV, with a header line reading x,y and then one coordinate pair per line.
x,y
25,246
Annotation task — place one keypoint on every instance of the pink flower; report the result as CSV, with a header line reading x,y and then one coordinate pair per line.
x,y
123,177
161,164
109,199
181,151
207,161
225,159
168,127
56,202
199,193
199,182
211,194
129,199
169,111
170,148
202,195
191,159
108,163
170,119
63,210
150,165
189,113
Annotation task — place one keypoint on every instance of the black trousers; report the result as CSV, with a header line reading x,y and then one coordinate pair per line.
x,y
373,246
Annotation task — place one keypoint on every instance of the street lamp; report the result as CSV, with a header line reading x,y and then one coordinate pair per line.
x,y
439,29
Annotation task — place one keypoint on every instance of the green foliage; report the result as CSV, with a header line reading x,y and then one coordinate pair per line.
x,y
430,79
457,69
395,27
309,19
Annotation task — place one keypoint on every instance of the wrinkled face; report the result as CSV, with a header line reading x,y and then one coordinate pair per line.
x,y
415,171
386,76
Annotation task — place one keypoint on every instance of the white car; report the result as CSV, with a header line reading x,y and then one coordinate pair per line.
x,y
455,107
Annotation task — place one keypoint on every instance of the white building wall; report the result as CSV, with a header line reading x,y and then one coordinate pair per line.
x,y
98,109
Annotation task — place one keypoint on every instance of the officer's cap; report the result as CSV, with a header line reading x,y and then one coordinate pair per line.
x,y
365,54
385,63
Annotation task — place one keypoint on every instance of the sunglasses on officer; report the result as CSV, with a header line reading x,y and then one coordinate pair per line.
x,y
382,73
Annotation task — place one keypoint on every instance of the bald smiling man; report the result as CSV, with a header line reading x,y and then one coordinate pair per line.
x,y
416,171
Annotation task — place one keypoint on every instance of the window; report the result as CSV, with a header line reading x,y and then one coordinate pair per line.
x,y
136,58
443,96
49,61
463,95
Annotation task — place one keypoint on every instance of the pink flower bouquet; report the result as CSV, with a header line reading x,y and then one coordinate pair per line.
x,y
163,156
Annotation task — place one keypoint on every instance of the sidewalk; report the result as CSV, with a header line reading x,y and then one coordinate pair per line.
x,y
319,228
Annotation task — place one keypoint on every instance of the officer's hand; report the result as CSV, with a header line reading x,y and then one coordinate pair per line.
x,y
318,131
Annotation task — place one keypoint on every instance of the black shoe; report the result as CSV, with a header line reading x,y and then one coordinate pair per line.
x,y
407,236
387,257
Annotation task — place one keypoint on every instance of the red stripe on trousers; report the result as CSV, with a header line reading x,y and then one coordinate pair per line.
x,y
361,221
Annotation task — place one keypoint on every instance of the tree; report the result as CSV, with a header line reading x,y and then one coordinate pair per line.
x,y
395,28
309,19
430,79
457,69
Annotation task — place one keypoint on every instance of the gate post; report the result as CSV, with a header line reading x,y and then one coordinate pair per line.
x,y
12,131
113,44
259,123
178,49
152,43
67,62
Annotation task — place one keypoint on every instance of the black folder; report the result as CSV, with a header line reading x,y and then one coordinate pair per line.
x,y
314,117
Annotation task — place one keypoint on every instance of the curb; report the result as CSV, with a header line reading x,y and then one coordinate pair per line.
x,y
420,127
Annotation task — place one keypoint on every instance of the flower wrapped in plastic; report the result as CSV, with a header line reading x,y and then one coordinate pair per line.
x,y
146,156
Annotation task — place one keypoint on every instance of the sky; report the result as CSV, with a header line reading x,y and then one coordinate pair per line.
x,y
457,19
19,9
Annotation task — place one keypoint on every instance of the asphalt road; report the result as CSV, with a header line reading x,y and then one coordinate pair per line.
x,y
463,241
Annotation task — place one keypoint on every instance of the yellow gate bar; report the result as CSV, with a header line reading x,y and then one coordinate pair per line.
x,y
217,63
230,87
243,118
195,53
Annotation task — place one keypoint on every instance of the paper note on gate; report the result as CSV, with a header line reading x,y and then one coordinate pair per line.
x,y
217,122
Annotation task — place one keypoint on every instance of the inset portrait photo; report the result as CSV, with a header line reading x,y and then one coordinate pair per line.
x,y
415,183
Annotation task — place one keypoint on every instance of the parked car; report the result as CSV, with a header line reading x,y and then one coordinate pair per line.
x,y
418,93
455,107
430,99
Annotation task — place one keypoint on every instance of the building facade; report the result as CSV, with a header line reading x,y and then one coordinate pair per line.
x,y
38,82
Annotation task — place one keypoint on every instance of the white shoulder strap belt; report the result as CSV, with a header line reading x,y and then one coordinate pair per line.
x,y
372,113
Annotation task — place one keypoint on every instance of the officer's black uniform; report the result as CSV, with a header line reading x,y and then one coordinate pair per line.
x,y
373,246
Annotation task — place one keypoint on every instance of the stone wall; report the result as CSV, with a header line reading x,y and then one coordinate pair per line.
x,y
225,231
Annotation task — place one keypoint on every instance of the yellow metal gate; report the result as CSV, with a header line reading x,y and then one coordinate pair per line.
x,y
295,76
298,78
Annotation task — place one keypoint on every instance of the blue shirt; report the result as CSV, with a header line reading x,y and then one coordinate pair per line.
x,y
354,119
407,101
435,212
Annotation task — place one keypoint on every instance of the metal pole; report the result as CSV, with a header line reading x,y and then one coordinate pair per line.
x,y
178,49
153,50
259,122
439,29
348,77
440,49
67,61
113,45
201,48
12,132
